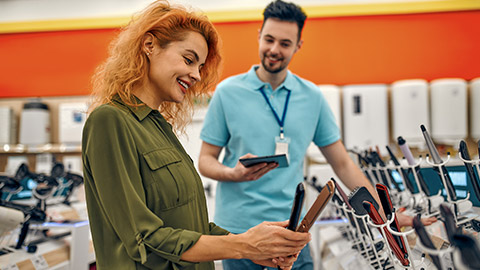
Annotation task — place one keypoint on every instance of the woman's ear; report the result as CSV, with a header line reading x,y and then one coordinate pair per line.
x,y
147,43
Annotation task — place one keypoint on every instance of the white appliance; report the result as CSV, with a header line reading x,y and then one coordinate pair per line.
x,y
71,119
8,126
448,99
475,109
410,109
365,117
332,96
35,123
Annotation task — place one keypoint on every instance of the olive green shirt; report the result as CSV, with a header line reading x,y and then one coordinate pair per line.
x,y
145,200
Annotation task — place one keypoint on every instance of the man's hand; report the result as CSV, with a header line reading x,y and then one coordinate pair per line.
x,y
284,263
241,173
404,220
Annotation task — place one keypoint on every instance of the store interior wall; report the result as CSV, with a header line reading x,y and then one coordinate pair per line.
x,y
337,50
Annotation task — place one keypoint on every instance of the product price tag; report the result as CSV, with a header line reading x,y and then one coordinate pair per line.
x,y
39,262
10,267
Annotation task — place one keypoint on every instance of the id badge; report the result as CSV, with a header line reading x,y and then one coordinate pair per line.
x,y
281,145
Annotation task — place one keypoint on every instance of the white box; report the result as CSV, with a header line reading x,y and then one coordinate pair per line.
x,y
71,119
8,126
475,108
332,94
410,109
73,164
448,98
365,117
35,123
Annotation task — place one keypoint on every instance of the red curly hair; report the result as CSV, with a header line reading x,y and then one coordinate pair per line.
x,y
127,65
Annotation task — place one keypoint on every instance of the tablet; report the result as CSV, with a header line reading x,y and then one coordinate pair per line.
x,y
280,159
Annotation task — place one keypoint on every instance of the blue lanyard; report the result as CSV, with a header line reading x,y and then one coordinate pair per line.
x,y
281,122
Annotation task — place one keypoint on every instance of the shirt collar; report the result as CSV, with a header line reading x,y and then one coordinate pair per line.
x,y
139,111
288,84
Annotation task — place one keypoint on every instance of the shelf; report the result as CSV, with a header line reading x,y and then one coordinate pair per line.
x,y
38,149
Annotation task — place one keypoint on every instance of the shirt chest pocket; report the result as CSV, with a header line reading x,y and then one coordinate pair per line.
x,y
172,182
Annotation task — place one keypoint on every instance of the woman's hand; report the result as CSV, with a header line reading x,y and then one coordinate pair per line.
x,y
272,240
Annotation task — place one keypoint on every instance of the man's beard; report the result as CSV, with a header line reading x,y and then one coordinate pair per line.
x,y
269,69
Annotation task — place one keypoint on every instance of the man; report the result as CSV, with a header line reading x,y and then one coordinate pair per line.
x,y
265,111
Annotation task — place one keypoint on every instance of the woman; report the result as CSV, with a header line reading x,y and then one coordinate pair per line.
x,y
145,200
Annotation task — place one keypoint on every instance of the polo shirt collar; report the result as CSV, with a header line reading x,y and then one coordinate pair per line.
x,y
140,112
289,83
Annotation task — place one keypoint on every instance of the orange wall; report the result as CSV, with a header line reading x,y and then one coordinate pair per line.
x,y
340,50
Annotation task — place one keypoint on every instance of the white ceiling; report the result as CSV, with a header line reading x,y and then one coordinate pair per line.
x,y
32,10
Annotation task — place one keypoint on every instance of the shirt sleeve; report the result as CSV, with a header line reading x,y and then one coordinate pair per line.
x,y
112,169
327,131
217,230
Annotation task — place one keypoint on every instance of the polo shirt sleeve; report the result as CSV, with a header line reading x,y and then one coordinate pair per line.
x,y
118,197
215,129
327,131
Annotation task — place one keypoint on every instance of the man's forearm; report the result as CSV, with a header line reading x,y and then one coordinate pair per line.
x,y
210,167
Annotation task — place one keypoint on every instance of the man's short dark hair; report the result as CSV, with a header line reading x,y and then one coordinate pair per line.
x,y
285,11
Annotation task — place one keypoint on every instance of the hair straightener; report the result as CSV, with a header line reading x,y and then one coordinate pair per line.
x,y
296,207
377,220
449,221
355,199
318,187
441,170
426,241
322,199
364,203
344,198
376,172
468,250
469,167
383,175
387,205
364,162
411,161
404,173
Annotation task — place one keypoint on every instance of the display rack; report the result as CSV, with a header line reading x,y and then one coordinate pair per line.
x,y
431,203
459,206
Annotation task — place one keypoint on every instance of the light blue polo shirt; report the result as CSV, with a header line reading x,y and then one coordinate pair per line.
x,y
240,119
